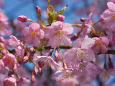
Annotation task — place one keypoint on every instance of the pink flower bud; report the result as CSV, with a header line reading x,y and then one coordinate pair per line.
x,y
38,10
2,39
10,81
3,51
22,18
41,64
60,18
82,19
56,55
25,80
74,37
2,68
33,77
35,70
15,68
25,59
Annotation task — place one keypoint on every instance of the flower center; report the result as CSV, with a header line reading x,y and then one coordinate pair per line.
x,y
33,34
113,16
80,53
58,33
98,43
1,26
9,60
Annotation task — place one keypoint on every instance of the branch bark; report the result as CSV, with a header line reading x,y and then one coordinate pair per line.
x,y
68,47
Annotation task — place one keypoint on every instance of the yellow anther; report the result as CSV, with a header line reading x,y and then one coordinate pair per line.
x,y
98,43
80,52
33,34
59,32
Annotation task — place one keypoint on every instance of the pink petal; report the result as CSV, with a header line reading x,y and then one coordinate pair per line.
x,y
111,6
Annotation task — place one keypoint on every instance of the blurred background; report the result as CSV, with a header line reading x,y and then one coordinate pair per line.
x,y
76,8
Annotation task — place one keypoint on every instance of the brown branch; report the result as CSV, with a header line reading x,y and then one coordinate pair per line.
x,y
67,47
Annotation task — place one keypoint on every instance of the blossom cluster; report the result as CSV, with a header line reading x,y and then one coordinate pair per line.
x,y
60,56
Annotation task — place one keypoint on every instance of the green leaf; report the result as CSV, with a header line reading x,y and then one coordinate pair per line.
x,y
50,9
61,11
53,16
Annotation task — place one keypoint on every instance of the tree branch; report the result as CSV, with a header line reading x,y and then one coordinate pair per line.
x,y
67,47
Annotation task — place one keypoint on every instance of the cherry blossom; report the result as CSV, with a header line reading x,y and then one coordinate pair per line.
x,y
59,31
33,34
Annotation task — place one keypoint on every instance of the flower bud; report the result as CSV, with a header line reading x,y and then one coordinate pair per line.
x,y
74,37
56,55
33,77
38,10
22,18
35,70
60,18
82,19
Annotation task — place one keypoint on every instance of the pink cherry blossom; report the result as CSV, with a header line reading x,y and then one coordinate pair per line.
x,y
9,60
47,61
109,16
60,18
101,44
20,51
19,26
82,51
33,34
19,47
10,81
87,25
4,26
69,82
2,67
84,43
13,41
22,81
22,18
58,32
73,56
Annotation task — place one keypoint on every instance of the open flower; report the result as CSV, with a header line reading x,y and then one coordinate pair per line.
x,y
81,52
109,16
9,60
101,44
4,26
46,61
58,32
10,81
33,34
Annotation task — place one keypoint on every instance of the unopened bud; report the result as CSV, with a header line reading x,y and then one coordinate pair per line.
x,y
22,18
25,80
15,68
74,37
82,19
60,18
3,51
33,77
56,55
35,70
111,66
25,59
38,10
